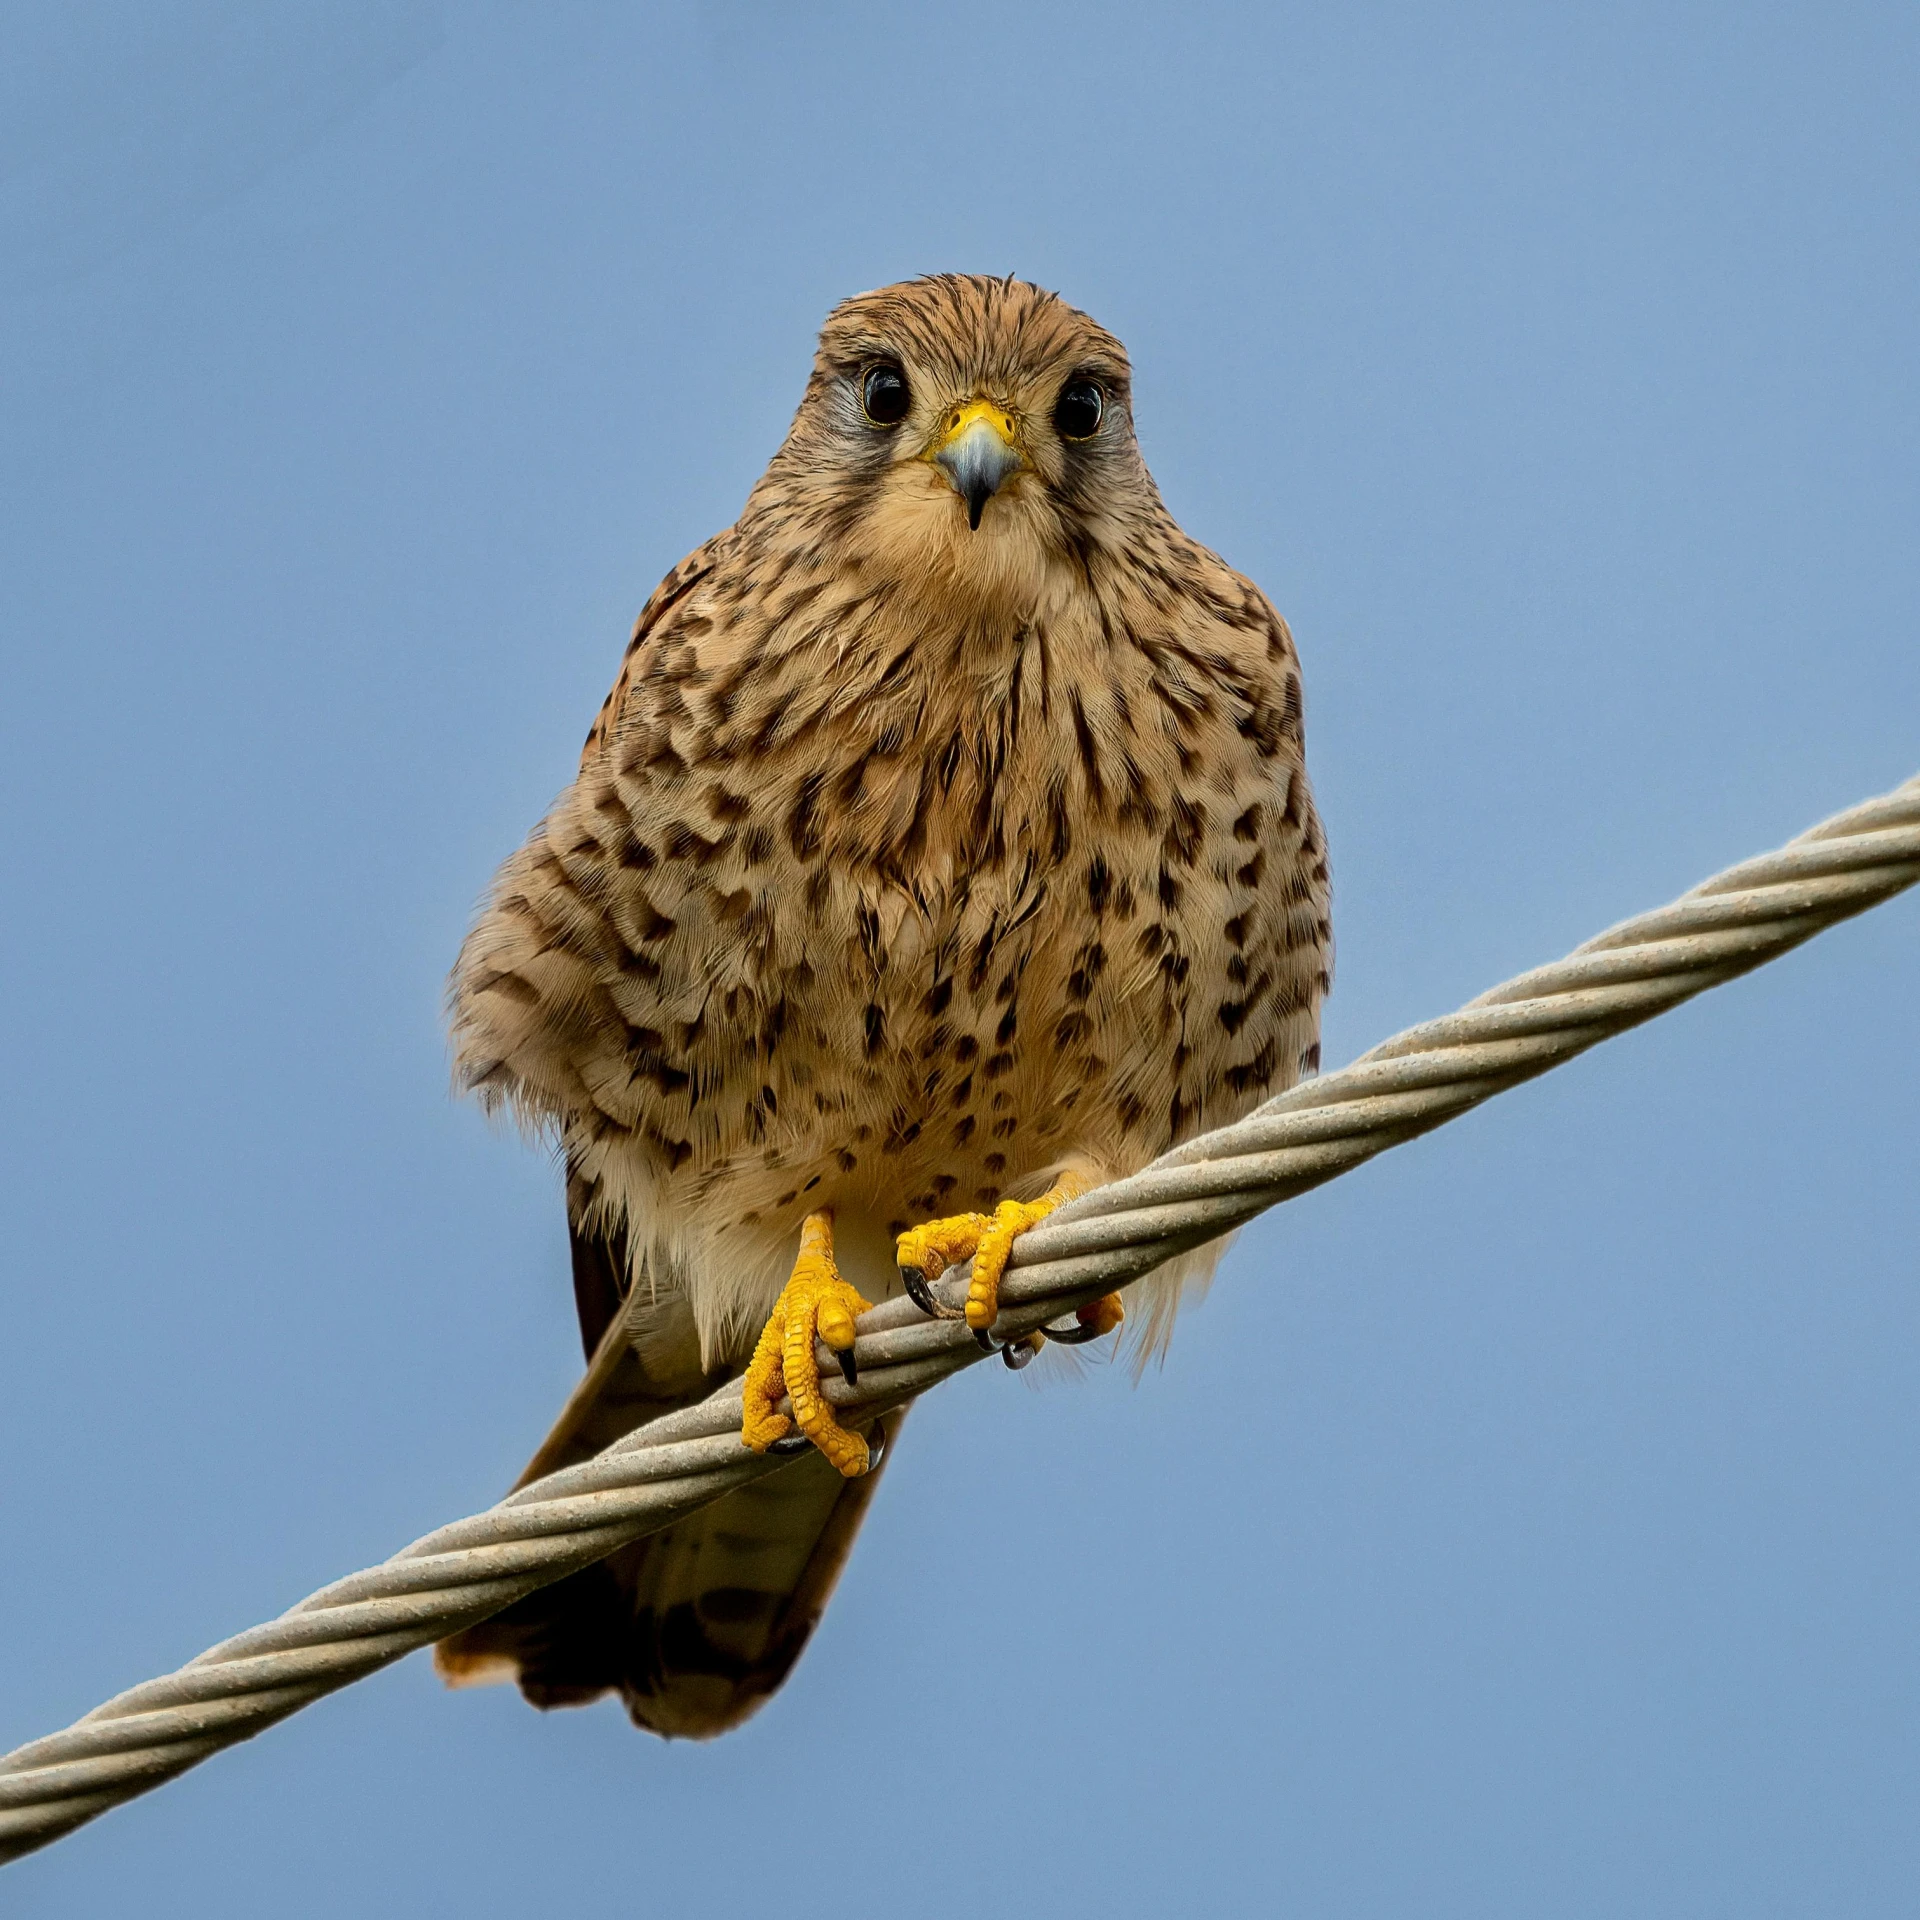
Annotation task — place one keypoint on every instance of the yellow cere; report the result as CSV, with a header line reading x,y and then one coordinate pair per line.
x,y
960,419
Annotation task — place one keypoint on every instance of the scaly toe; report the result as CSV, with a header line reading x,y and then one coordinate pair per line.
x,y
932,1247
1010,1218
926,1252
762,1425
815,1304
821,1304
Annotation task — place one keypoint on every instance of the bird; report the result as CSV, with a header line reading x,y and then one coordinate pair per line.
x,y
944,847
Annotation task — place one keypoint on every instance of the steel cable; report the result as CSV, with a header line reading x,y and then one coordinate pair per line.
x,y
1409,1085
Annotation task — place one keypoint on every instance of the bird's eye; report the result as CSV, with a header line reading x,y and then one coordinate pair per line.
x,y
1078,412
884,396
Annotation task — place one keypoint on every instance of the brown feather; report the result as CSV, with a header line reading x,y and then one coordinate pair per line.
x,y
908,863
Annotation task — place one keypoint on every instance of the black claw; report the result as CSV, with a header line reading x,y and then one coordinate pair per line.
x,y
923,1296
987,1342
849,1369
876,1446
1018,1354
1075,1336
789,1444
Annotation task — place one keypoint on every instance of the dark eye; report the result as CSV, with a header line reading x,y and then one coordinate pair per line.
x,y
1079,409
884,394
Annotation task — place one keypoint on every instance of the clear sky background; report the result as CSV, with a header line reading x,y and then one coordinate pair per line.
x,y
1528,1523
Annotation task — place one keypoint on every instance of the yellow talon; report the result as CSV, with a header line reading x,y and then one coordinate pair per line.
x,y
938,1244
990,1257
815,1302
1102,1315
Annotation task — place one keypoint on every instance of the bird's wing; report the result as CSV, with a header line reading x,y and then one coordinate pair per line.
x,y
696,1625
580,995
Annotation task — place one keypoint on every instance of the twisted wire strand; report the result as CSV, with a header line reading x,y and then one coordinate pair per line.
x,y
567,1520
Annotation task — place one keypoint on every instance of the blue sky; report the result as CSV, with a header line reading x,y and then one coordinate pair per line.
x,y
1526,1524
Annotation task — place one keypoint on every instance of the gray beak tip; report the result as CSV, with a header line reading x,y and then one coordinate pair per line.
x,y
978,465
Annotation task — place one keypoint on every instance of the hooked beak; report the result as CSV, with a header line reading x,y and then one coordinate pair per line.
x,y
977,451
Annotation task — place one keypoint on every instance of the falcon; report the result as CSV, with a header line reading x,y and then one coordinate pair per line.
x,y
943,848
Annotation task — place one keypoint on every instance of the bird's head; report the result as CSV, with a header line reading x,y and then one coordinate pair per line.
x,y
970,432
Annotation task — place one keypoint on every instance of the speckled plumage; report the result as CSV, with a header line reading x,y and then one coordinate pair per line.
x,y
908,864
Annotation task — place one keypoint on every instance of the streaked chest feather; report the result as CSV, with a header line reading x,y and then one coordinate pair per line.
x,y
821,921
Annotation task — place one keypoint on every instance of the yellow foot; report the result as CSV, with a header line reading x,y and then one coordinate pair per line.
x,y
930,1249
815,1302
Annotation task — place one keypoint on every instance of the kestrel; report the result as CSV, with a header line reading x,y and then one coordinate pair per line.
x,y
943,848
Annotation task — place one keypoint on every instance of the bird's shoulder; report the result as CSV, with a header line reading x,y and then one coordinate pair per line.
x,y
650,630
1205,672
1183,598
1239,950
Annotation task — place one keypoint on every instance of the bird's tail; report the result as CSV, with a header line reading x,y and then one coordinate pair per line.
x,y
696,1625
